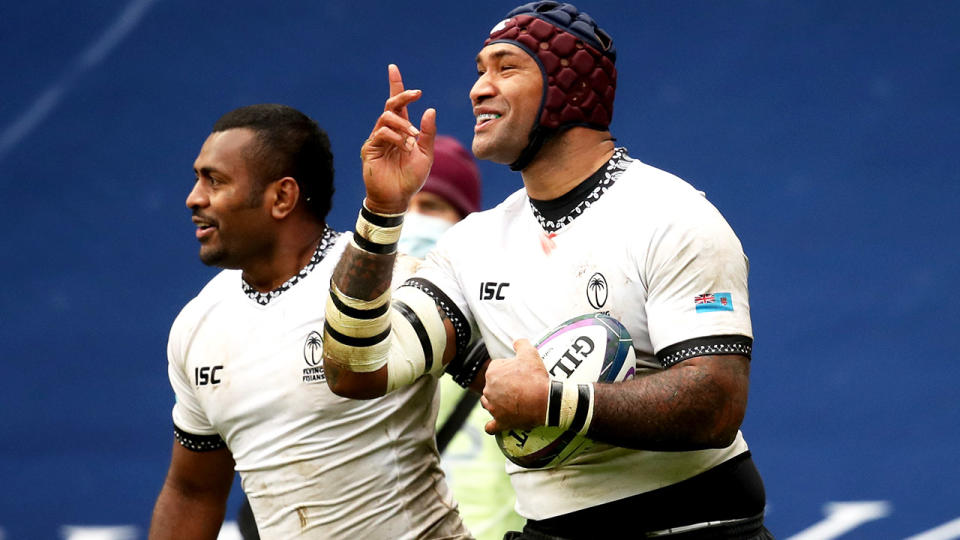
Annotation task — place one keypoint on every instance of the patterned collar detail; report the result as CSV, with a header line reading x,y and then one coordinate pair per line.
x,y
603,179
328,239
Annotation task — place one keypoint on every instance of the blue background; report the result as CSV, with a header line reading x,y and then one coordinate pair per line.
x,y
825,131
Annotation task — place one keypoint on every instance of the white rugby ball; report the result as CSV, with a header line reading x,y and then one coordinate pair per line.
x,y
588,348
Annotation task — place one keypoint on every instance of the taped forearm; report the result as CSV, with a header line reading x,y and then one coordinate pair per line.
x,y
363,335
419,338
357,310
570,406
356,330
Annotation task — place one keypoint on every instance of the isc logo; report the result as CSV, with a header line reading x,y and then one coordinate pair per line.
x,y
491,290
206,375
573,356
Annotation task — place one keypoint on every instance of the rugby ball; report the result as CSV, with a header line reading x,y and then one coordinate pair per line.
x,y
589,348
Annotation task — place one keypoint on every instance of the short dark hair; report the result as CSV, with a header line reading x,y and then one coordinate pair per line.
x,y
289,143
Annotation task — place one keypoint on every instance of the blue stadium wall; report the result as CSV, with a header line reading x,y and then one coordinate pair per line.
x,y
826,132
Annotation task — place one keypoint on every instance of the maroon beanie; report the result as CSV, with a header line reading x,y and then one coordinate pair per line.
x,y
454,175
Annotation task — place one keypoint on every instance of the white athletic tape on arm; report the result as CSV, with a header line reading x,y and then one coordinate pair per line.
x,y
357,359
377,233
364,335
356,330
425,309
357,303
419,338
404,361
570,406
355,327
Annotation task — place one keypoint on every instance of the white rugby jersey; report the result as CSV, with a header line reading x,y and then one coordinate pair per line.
x,y
646,248
246,367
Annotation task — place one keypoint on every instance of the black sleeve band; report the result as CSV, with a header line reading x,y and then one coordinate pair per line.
x,y
373,247
198,443
461,326
422,335
379,220
356,341
583,406
464,370
365,314
705,346
553,408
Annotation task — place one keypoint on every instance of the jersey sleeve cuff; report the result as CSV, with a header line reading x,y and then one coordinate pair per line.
x,y
705,346
461,326
198,443
465,368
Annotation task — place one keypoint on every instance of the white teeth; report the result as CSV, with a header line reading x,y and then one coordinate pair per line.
x,y
483,117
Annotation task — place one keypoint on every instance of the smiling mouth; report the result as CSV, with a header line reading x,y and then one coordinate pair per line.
x,y
204,229
484,118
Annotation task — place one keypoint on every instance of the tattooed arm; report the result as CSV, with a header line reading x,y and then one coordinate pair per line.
x,y
698,403
375,341
360,274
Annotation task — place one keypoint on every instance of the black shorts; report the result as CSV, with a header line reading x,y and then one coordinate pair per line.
x,y
730,497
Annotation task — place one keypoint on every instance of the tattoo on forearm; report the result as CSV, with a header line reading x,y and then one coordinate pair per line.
x,y
682,408
332,371
363,275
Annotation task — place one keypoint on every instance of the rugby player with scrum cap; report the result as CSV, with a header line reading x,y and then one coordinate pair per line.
x,y
593,230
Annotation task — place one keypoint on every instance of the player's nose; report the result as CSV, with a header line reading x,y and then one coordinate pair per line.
x,y
196,198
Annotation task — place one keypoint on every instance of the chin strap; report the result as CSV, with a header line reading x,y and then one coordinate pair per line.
x,y
538,136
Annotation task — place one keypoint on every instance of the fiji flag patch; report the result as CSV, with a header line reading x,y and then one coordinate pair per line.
x,y
721,301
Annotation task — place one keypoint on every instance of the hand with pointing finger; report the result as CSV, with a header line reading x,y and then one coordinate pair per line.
x,y
397,156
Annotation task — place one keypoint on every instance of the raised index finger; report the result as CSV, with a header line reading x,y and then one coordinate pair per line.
x,y
396,87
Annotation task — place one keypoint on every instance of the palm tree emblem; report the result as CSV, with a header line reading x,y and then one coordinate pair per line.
x,y
313,349
597,290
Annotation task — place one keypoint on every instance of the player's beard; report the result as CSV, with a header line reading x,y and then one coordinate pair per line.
x,y
221,252
213,255
502,145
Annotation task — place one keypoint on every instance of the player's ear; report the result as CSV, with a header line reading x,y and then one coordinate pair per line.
x,y
284,194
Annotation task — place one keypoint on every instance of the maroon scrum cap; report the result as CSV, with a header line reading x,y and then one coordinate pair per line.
x,y
577,60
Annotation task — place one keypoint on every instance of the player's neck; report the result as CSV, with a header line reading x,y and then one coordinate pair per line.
x,y
565,161
291,252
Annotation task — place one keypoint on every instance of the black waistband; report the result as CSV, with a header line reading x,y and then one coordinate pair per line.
x,y
743,529
730,491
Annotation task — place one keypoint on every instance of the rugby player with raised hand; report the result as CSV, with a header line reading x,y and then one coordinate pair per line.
x,y
593,230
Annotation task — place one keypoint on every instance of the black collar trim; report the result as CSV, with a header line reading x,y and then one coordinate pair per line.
x,y
555,214
328,239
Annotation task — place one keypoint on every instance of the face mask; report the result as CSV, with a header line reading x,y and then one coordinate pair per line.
x,y
420,233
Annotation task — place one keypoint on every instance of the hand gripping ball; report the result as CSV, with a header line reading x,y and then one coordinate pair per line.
x,y
588,348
